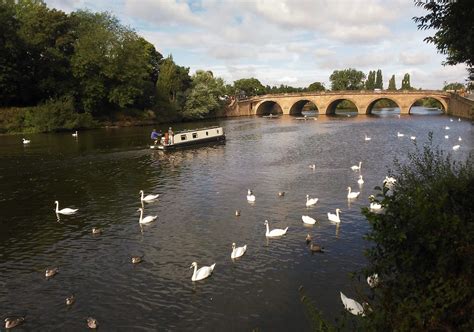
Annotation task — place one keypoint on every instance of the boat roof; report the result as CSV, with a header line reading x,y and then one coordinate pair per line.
x,y
197,129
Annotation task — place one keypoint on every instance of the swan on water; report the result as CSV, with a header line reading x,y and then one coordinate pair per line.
x,y
459,139
26,141
65,210
373,280
275,232
312,166
459,119
361,180
400,134
250,196
413,138
367,138
389,182
74,134
446,136
147,219
356,168
447,128
148,198
237,251
308,220
352,306
311,201
451,120
456,147
202,273
352,194
334,217
375,206
11,322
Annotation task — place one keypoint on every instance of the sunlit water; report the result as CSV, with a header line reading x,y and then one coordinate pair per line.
x,y
101,173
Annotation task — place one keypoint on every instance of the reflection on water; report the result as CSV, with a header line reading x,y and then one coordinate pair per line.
x,y
101,173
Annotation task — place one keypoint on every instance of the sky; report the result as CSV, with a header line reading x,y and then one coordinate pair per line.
x,y
291,42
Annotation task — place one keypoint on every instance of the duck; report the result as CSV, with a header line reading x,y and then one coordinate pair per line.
x,y
96,230
250,196
92,323
352,194
308,220
237,213
311,201
202,273
456,147
74,134
413,138
308,239
148,198
367,138
237,251
137,259
49,273
400,134
281,193
70,299
11,322
373,280
26,141
355,167
316,248
352,306
312,166
334,217
275,232
361,180
147,219
66,211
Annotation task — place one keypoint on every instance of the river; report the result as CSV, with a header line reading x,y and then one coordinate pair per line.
x,y
101,173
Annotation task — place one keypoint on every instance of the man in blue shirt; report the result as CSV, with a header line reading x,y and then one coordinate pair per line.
x,y
155,135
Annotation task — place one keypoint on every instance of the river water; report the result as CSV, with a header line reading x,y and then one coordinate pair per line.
x,y
101,173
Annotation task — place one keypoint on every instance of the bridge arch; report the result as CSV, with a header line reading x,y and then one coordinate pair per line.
x,y
331,109
444,105
372,103
298,107
268,107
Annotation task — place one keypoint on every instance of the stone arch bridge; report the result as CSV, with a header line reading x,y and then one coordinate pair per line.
x,y
326,102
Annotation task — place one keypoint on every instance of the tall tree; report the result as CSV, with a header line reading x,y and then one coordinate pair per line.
x,y
391,84
249,87
370,82
347,79
316,86
406,82
454,25
379,80
172,81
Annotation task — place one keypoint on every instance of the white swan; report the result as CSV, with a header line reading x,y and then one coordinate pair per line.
x,y
413,138
451,120
373,280
334,217
446,136
400,134
456,147
367,138
459,139
65,210
355,167
202,273
352,306
447,128
375,206
148,198
389,182
250,196
308,220
459,119
147,219
237,251
26,141
311,201
74,134
361,180
275,232
352,194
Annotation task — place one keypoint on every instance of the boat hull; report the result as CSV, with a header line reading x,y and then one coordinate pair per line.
x,y
193,143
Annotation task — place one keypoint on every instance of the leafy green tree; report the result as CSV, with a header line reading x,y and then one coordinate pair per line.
x,y
406,82
454,27
316,86
347,79
249,87
205,96
422,246
379,80
172,80
453,86
370,82
391,84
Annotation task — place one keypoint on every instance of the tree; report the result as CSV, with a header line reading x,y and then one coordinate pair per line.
x,y
249,87
422,246
406,82
391,84
370,82
347,79
205,96
453,86
455,29
379,80
316,86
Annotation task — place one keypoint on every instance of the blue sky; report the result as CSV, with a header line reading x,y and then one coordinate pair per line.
x,y
293,42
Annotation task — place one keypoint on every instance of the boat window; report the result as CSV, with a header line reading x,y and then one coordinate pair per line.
x,y
195,135
183,137
207,133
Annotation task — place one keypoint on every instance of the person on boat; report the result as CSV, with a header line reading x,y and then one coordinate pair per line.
x,y
170,135
155,136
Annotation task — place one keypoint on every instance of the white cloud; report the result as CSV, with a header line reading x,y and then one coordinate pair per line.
x,y
413,58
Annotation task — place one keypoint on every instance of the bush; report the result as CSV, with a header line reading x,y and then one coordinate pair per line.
x,y
422,246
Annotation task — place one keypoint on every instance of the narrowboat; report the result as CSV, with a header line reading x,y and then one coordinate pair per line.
x,y
187,138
